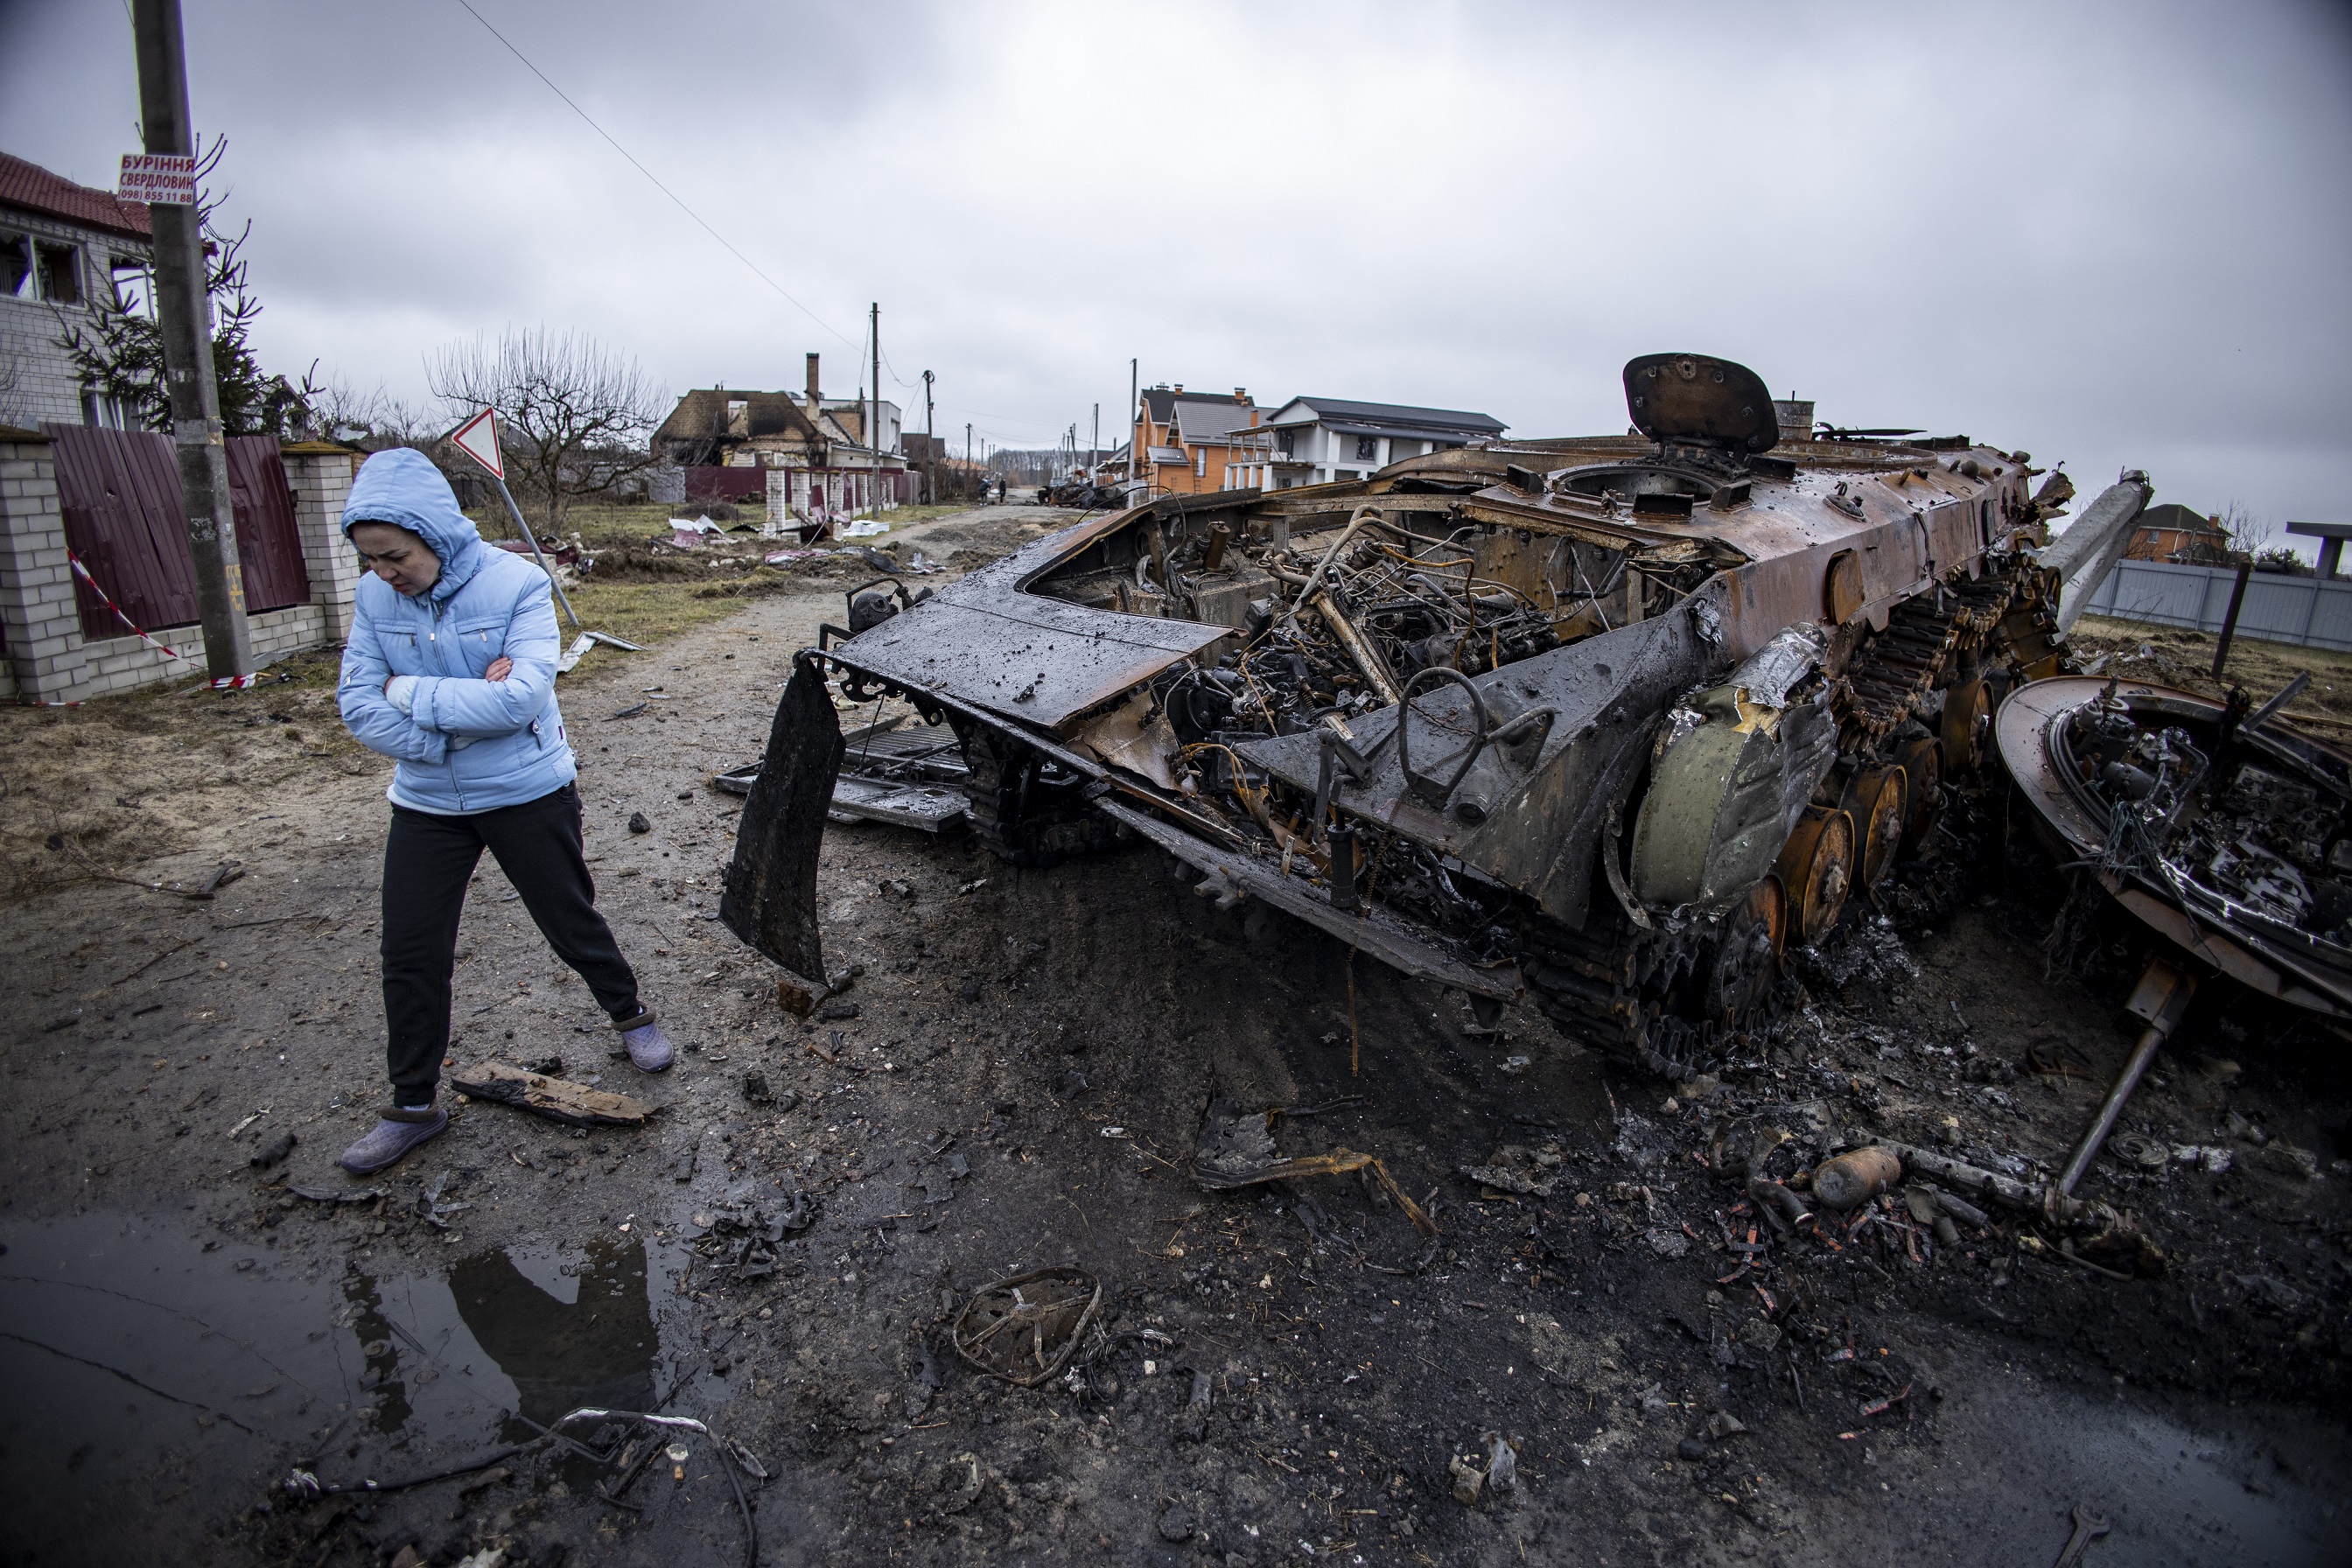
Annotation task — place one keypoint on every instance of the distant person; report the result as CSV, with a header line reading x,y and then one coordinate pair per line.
x,y
1000,490
450,671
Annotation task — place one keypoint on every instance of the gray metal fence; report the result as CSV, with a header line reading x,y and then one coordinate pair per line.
x,y
2278,609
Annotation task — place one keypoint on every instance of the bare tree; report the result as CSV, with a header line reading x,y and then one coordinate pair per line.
x,y
574,415
119,349
2248,534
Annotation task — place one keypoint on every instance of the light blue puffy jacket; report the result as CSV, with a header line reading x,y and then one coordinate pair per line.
x,y
486,603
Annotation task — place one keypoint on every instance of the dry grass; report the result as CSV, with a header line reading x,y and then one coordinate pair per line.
x,y
100,788
2169,656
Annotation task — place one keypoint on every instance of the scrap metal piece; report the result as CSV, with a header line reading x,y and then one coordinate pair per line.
x,y
1024,1328
2088,1527
575,1104
1535,1172
2228,903
2088,551
2159,1000
769,899
1236,1148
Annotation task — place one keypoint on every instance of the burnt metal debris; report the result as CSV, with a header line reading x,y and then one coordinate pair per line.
x,y
2216,823
1605,723
1024,1328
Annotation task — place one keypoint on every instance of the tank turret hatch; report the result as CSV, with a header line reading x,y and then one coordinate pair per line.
x,y
1699,400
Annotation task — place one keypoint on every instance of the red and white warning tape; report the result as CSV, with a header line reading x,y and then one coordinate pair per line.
x,y
223,683
82,571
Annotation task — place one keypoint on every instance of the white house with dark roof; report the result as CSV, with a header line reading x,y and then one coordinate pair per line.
x,y
63,247
1319,441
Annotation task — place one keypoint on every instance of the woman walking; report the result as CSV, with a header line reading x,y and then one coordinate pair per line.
x,y
450,671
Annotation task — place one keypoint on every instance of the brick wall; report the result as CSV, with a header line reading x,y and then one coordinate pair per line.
x,y
48,659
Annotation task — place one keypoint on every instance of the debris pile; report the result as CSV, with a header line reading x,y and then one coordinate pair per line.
x,y
741,1240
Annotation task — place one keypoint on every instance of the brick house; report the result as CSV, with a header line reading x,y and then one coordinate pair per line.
x,y
63,248
2175,532
1190,440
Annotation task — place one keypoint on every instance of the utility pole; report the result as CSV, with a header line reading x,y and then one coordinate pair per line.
x,y
1132,384
183,314
930,447
1094,443
967,449
874,426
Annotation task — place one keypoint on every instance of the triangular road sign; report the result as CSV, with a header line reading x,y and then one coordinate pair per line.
x,y
478,438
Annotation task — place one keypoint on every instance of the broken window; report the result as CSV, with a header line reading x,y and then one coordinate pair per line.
x,y
1367,449
60,274
134,291
15,266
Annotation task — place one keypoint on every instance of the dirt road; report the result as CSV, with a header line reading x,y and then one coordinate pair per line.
x,y
1287,1371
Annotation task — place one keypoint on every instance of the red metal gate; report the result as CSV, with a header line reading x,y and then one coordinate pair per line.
x,y
120,492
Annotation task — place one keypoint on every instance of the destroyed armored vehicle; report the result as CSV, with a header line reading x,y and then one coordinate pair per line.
x,y
1604,723
2216,823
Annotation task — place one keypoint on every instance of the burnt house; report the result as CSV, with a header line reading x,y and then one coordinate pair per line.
x,y
802,455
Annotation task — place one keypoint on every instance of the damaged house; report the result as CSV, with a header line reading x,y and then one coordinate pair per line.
x,y
63,246
802,457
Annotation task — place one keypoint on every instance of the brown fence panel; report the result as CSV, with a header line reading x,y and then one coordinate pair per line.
x,y
120,493
269,545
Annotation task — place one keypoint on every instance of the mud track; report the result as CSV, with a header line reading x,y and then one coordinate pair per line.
x,y
1021,1084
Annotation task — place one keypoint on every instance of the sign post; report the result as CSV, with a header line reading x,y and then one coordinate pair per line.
x,y
477,437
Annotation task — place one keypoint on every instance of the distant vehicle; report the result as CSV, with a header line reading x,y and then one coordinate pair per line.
x,y
1605,722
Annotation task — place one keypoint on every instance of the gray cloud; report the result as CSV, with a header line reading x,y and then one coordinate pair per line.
x,y
2110,233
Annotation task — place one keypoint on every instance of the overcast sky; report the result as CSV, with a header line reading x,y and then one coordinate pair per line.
x,y
2114,234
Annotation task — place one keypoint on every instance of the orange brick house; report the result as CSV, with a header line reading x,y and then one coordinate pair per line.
x,y
1191,442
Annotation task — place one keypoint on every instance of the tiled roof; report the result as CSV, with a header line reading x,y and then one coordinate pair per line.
x,y
35,189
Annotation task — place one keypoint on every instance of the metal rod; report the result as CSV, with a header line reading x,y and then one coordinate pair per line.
x,y
516,512
2161,998
1360,650
2230,621
2269,711
2134,1068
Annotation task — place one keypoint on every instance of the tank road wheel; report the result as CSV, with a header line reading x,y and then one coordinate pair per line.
x,y
1874,800
1817,867
1968,714
1024,808
1922,771
1745,963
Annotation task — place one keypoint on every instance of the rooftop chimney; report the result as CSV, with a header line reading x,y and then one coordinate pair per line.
x,y
1180,389
1241,395
815,397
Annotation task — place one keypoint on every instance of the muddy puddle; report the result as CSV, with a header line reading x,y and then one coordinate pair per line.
x,y
157,1386
2017,1453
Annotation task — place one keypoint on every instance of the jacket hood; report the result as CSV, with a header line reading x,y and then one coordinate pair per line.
x,y
401,486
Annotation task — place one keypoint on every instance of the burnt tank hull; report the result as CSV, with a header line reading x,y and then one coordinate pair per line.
x,y
1601,723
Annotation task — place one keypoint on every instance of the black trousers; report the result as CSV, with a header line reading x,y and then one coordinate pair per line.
x,y
428,862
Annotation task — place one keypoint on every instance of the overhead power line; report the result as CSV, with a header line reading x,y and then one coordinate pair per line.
x,y
649,174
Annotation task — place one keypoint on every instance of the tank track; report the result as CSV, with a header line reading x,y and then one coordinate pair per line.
x,y
1887,676
1627,992
1021,817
